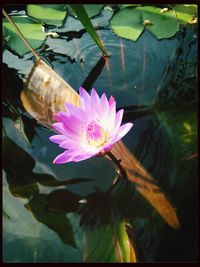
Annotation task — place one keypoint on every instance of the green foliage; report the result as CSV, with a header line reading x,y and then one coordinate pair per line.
x,y
129,23
186,13
48,13
108,243
164,25
128,5
85,20
31,30
93,10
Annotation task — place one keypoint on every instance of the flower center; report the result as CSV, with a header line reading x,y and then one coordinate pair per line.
x,y
95,134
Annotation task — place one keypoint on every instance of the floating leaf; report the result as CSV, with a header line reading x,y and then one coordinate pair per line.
x,y
129,5
185,13
164,25
93,10
58,222
31,30
129,23
48,13
108,243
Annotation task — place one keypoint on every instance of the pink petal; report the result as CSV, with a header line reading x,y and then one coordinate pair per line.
x,y
85,98
58,116
57,138
63,129
118,119
58,126
76,111
63,158
104,107
82,157
72,156
95,99
111,116
111,100
72,125
107,147
124,130
70,144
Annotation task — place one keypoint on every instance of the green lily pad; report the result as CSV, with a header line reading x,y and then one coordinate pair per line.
x,y
129,23
185,13
163,25
93,10
50,14
128,5
31,30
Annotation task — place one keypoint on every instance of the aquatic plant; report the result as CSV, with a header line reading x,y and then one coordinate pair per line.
x,y
89,130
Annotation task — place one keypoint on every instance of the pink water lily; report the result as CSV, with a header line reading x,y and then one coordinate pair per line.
x,y
90,129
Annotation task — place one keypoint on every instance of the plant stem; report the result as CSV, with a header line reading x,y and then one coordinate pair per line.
x,y
117,162
115,182
21,35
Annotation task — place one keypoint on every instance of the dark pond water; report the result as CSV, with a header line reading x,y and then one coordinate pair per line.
x,y
156,82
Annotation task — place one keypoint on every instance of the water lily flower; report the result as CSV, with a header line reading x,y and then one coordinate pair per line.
x,y
90,129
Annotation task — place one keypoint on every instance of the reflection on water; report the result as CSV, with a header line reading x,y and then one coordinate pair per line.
x,y
155,82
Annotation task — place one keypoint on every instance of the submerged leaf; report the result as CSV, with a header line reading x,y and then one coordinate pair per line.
x,y
48,13
58,222
51,181
63,200
18,176
15,156
31,30
19,125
